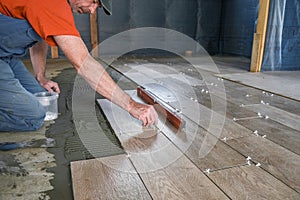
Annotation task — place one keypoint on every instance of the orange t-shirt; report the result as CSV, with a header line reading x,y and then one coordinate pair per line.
x,y
47,17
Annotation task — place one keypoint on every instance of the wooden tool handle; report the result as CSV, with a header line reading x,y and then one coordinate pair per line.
x,y
171,116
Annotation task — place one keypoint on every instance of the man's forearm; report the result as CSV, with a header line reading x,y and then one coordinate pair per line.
x,y
38,55
100,80
92,71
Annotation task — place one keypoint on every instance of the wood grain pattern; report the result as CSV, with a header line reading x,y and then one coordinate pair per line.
x,y
107,178
203,116
251,182
281,116
261,30
202,147
54,52
236,96
162,166
278,133
241,94
255,54
180,180
94,34
207,152
276,160
229,130
270,82
281,127
277,128
280,162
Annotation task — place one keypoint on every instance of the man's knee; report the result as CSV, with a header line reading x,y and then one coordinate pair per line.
x,y
30,119
36,119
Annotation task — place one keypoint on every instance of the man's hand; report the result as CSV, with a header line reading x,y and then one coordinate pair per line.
x,y
49,85
143,112
38,59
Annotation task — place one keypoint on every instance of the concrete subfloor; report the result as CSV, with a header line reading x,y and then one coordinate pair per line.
x,y
42,171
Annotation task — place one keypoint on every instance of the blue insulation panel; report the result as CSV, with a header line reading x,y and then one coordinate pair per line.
x,y
238,26
209,25
282,48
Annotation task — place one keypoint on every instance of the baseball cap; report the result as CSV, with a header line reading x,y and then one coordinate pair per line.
x,y
107,6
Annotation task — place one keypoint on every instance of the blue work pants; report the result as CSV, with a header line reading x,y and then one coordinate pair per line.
x,y
19,109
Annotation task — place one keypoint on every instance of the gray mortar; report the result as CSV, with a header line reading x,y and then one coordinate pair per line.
x,y
68,145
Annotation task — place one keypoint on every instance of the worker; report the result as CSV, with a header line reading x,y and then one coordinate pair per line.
x,y
33,25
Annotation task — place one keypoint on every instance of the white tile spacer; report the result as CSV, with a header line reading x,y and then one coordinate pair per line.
x,y
249,162
255,132
258,165
207,171
224,139
206,92
266,117
234,119
128,155
259,114
248,158
264,103
264,136
248,95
